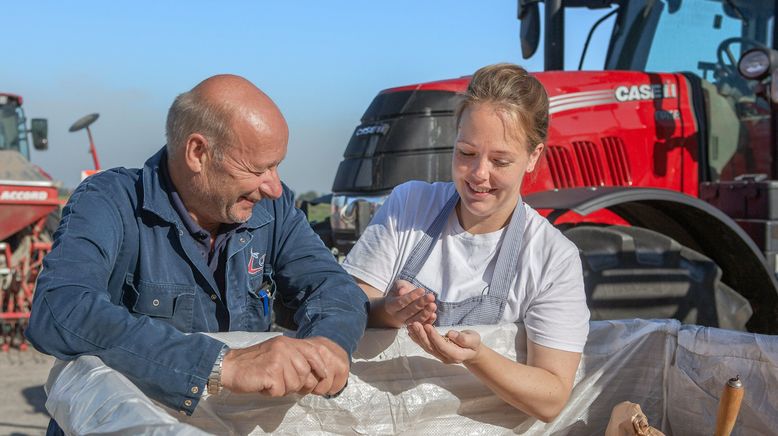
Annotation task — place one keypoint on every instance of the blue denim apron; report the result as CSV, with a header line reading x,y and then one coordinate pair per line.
x,y
482,309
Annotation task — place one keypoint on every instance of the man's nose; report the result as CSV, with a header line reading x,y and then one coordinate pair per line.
x,y
272,186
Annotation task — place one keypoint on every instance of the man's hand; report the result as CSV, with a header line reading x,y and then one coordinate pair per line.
x,y
454,347
336,361
277,367
404,304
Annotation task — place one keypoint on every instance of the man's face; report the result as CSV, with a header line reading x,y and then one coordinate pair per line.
x,y
246,173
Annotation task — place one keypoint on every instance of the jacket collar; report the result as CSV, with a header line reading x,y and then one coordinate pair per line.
x,y
156,195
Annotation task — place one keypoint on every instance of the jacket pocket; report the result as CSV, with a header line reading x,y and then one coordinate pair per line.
x,y
259,301
170,303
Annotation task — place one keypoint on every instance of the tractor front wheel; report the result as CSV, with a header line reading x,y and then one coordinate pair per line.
x,y
632,272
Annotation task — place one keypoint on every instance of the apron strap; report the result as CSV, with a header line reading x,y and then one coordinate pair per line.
x,y
507,258
424,247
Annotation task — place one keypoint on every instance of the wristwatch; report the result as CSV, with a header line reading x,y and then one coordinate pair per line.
x,y
215,378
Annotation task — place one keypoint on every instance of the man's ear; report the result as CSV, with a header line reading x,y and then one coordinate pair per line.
x,y
196,152
534,157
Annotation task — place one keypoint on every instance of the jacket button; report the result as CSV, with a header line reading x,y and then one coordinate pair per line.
x,y
188,403
195,389
213,297
242,240
155,302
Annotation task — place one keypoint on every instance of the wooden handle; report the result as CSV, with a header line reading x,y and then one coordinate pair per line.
x,y
729,406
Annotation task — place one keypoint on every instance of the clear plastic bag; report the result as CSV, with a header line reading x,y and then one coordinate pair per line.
x,y
674,372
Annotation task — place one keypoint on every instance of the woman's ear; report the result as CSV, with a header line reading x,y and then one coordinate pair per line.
x,y
534,157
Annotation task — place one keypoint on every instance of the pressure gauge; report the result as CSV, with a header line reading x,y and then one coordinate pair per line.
x,y
754,64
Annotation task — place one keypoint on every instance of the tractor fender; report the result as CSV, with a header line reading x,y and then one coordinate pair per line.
x,y
690,221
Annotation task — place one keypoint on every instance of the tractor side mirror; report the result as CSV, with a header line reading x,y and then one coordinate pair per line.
x,y
39,127
529,15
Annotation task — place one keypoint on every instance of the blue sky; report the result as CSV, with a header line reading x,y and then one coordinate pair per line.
x,y
322,62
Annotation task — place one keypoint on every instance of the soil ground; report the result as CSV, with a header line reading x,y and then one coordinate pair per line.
x,y
22,398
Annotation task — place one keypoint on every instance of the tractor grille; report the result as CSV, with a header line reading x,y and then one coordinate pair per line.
x,y
589,163
588,168
560,164
616,155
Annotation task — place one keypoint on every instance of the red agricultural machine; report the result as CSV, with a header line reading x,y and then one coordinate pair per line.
x,y
28,199
661,167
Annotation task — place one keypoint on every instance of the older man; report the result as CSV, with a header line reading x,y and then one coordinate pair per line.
x,y
203,238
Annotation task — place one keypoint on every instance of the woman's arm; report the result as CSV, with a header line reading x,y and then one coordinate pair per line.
x,y
540,388
401,305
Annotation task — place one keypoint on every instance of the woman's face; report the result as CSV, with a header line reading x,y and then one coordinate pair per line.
x,y
489,163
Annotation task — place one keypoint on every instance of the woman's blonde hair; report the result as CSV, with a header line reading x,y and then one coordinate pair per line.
x,y
511,89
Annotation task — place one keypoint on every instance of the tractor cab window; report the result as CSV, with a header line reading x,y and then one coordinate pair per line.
x,y
706,38
704,27
12,128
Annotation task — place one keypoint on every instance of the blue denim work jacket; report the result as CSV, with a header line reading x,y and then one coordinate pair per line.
x,y
125,282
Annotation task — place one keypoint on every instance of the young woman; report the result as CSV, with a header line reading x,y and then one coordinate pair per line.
x,y
471,252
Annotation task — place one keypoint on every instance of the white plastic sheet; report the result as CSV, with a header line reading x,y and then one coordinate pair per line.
x,y
674,372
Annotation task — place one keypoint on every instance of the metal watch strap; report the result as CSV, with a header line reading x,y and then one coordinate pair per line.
x,y
215,378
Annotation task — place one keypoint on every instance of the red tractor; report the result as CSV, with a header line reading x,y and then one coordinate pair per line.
x,y
660,167
28,198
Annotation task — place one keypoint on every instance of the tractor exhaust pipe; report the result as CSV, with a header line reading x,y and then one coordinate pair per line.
x,y
554,28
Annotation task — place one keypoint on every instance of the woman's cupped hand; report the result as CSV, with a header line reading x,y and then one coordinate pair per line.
x,y
453,347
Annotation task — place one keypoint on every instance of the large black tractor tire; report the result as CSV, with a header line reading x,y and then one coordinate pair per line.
x,y
632,272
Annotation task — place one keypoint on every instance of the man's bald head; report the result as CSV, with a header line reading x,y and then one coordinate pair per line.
x,y
213,106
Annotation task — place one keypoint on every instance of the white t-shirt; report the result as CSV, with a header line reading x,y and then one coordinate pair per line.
x,y
547,292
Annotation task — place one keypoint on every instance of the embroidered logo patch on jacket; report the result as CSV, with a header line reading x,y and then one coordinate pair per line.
x,y
256,263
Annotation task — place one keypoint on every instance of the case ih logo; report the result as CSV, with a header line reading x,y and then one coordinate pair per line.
x,y
24,196
376,129
645,92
